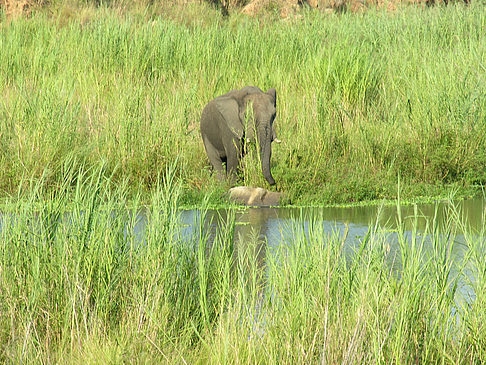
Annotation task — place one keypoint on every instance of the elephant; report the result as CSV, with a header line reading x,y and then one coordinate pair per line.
x,y
255,196
232,119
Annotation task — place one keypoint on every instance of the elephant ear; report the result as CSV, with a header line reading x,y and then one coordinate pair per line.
x,y
273,93
228,107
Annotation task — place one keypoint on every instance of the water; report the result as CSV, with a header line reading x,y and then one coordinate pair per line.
x,y
274,227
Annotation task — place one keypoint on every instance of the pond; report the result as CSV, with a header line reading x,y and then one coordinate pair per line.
x,y
273,227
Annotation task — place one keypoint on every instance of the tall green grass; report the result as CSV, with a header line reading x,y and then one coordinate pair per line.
x,y
84,285
362,98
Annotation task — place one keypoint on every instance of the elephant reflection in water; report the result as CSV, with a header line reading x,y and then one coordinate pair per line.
x,y
250,234
249,256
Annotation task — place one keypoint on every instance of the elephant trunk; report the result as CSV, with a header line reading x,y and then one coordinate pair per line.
x,y
265,140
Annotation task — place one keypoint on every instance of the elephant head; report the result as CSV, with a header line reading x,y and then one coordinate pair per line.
x,y
258,114
240,115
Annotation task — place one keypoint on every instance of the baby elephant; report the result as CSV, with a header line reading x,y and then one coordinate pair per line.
x,y
233,118
256,197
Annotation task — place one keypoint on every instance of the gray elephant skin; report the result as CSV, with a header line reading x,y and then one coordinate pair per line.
x,y
232,119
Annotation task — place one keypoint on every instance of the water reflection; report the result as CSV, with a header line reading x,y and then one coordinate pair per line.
x,y
263,229
267,228
273,225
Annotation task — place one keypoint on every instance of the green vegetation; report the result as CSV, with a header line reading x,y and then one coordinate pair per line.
x,y
88,286
366,103
363,99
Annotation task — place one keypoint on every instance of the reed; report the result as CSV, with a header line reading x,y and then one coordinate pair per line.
x,y
89,275
362,98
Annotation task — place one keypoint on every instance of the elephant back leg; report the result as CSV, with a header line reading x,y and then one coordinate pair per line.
x,y
214,157
233,156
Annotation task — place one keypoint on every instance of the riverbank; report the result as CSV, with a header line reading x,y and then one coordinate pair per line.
x,y
364,100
